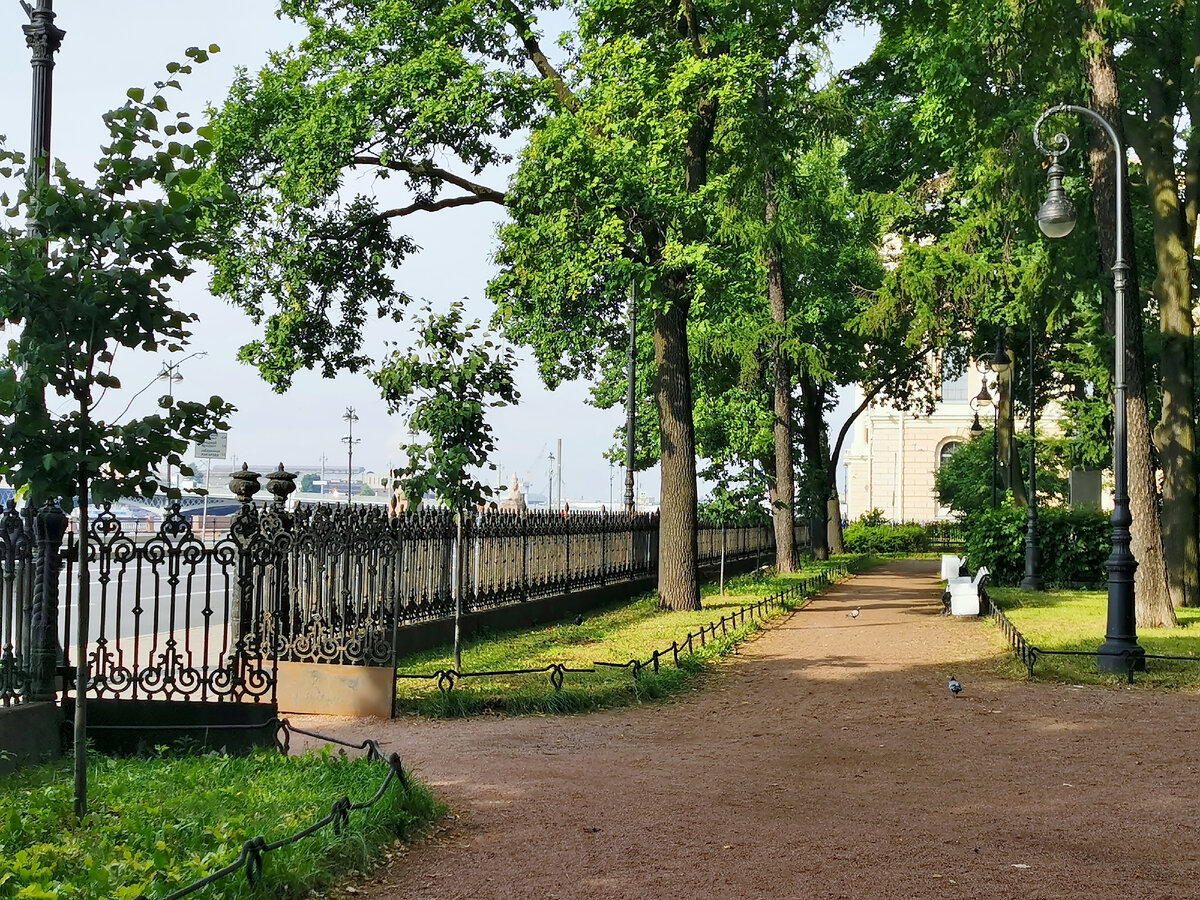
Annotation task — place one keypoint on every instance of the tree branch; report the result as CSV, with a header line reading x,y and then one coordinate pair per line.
x,y
431,206
428,170
521,25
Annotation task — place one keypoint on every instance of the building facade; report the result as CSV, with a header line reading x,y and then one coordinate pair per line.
x,y
894,455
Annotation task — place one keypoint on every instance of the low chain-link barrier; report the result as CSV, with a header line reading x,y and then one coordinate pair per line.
x,y
1029,654
446,679
251,856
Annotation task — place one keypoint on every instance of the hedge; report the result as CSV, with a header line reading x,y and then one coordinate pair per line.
x,y
1074,544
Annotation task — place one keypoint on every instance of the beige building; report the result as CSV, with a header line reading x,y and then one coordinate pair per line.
x,y
894,455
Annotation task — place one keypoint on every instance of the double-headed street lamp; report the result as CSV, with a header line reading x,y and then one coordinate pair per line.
x,y
983,400
1120,651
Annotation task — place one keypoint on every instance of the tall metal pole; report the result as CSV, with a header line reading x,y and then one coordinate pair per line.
x,y
1032,581
43,38
630,400
350,418
1120,651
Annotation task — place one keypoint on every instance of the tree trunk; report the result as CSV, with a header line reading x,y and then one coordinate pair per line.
x,y
816,464
1175,434
1006,432
833,516
678,587
1150,580
783,488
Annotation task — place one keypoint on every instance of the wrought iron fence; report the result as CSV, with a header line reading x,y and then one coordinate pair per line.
x,y
345,578
174,616
170,615
17,583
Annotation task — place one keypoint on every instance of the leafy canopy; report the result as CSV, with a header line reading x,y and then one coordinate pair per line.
x,y
89,284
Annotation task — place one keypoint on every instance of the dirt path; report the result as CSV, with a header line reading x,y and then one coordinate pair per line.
x,y
827,759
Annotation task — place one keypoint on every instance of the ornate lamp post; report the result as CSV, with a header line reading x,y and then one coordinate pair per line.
x,y
172,376
350,418
1120,651
43,38
982,400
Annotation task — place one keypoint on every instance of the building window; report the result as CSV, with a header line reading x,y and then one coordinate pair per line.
x,y
954,390
948,450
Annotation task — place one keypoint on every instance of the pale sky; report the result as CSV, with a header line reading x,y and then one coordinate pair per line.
x,y
112,45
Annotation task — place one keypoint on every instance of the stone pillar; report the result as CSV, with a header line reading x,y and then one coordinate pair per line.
x,y
279,485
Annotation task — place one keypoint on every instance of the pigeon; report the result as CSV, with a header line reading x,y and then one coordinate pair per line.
x,y
955,687
853,613
579,619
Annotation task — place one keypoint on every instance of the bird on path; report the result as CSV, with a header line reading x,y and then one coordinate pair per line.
x,y
579,619
955,687
853,613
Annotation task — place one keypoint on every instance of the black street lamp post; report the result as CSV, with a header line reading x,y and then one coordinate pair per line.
x,y
1032,580
983,400
1120,651
43,38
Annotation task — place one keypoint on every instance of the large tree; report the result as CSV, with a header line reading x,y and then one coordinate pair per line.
x,y
84,288
614,187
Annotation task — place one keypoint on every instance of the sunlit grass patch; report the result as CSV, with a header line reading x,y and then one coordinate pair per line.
x,y
631,630
1076,620
160,823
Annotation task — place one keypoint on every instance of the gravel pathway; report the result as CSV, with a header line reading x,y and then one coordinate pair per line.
x,y
826,759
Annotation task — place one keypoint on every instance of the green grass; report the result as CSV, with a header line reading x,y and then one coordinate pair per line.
x,y
620,633
157,824
1075,620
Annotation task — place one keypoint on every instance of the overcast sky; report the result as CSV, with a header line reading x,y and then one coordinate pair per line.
x,y
112,45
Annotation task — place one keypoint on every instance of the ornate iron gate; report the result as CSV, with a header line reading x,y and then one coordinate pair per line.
x,y
169,614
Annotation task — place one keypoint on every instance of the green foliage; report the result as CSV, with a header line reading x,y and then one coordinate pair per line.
x,y
90,283
734,509
451,376
157,824
1074,544
308,482
963,483
873,536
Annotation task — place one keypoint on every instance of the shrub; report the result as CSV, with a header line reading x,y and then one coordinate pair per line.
x,y
873,535
1074,544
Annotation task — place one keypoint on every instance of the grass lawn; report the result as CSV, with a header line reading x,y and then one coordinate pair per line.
x,y
1075,620
160,823
630,630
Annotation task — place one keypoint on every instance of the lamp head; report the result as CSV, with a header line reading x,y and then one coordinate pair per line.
x,y
983,398
1000,360
1056,218
975,426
